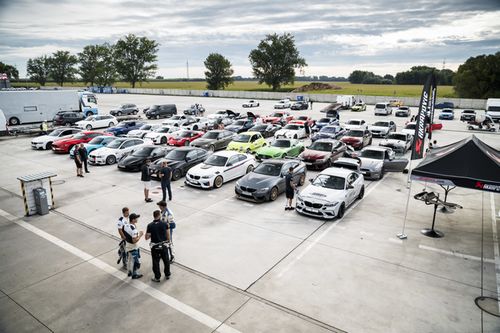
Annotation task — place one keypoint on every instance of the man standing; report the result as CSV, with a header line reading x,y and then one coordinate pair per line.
x,y
146,179
84,157
168,217
78,162
132,237
122,252
289,189
157,231
165,176
311,101
307,129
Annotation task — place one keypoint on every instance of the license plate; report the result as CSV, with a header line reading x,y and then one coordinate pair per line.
x,y
245,193
308,163
312,210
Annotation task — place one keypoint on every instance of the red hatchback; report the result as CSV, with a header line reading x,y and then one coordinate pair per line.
x,y
279,117
357,138
65,145
184,138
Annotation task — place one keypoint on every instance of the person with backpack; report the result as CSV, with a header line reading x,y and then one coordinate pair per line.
x,y
132,237
158,232
168,217
122,253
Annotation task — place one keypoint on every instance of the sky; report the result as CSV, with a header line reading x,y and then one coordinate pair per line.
x,y
335,37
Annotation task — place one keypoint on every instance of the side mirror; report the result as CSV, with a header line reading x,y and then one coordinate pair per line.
x,y
311,180
350,187
229,164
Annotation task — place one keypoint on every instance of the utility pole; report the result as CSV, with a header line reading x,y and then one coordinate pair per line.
x,y
187,69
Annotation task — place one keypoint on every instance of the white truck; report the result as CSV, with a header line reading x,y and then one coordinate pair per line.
x,y
493,108
346,101
35,106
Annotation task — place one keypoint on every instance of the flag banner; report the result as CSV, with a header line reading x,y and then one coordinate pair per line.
x,y
432,103
425,112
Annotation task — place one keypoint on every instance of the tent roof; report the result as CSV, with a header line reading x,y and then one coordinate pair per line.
x,y
468,163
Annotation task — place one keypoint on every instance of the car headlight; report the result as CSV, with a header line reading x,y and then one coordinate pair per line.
x,y
238,185
277,155
299,199
206,177
333,204
264,189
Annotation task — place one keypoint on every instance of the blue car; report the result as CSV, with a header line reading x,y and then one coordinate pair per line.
x,y
329,132
124,127
447,114
324,122
97,142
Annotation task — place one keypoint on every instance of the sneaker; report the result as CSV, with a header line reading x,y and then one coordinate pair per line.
x,y
172,259
87,171
138,276
155,279
129,273
167,277
149,200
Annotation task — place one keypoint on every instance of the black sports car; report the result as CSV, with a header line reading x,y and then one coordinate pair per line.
x,y
267,130
179,160
300,105
241,125
214,140
134,161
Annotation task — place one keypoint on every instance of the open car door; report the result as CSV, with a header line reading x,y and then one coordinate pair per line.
x,y
393,164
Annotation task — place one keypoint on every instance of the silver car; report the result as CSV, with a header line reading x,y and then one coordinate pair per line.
x,y
376,161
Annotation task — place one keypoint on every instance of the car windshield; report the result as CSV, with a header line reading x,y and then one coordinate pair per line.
x,y
239,123
355,133
302,118
395,136
154,107
90,118
216,160
447,111
469,111
210,135
324,120
242,138
321,146
404,108
291,127
373,154
281,143
185,134
381,124
354,122
79,136
380,106
268,169
331,182
122,125
143,152
145,127
411,126
329,129
97,140
115,143
258,128
56,132
177,155
277,114
359,104
162,130
175,118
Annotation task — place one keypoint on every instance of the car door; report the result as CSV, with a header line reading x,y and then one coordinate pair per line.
x,y
124,149
231,171
350,187
393,164
191,159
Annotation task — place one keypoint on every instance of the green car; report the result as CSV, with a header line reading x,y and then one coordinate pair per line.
x,y
281,148
247,142
359,107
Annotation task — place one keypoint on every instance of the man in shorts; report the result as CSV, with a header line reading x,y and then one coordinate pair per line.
x,y
146,180
122,221
289,189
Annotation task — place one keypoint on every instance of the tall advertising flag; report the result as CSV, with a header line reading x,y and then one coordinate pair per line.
x,y
424,116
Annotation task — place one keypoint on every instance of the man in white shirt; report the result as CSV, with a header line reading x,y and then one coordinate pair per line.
x,y
122,253
132,237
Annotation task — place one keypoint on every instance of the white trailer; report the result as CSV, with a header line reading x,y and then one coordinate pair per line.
x,y
493,108
347,101
35,106
3,124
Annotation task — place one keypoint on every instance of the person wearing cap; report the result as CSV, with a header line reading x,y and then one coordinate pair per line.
x,y
158,232
168,217
146,180
132,237
122,252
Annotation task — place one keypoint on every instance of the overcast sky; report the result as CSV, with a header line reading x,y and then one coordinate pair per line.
x,y
335,37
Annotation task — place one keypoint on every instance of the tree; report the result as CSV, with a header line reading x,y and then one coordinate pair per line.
x,y
360,76
479,77
275,59
10,70
389,77
136,58
38,69
89,66
219,72
106,69
419,74
62,67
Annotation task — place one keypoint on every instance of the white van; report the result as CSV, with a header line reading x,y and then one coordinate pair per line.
x,y
383,109
3,123
493,108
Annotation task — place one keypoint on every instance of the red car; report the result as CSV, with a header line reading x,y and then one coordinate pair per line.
x,y
279,117
184,138
302,120
65,145
357,138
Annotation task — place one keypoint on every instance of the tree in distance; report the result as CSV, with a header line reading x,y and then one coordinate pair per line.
x,y
38,69
11,71
62,67
105,73
275,59
93,61
479,77
136,58
219,73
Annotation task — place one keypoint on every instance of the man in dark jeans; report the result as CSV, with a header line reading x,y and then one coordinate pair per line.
x,y
84,156
146,180
289,189
158,232
166,176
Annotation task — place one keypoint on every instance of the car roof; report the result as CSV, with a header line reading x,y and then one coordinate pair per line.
x,y
187,148
333,171
275,161
347,160
327,140
377,148
250,133
227,153
401,133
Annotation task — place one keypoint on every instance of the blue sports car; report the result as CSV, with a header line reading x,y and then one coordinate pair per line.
x,y
97,142
124,127
329,132
324,122
447,114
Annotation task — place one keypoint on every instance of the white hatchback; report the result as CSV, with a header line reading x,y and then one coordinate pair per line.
x,y
98,121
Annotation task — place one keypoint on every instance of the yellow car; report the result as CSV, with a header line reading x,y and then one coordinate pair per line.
x,y
247,142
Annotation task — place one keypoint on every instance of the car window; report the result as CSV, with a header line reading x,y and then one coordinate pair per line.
x,y
241,157
254,138
232,160
127,144
192,154
201,153
67,132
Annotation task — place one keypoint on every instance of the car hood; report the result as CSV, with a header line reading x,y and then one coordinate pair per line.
x,y
371,164
378,128
201,142
351,138
137,131
104,151
393,142
321,194
238,144
325,135
67,140
132,160
206,170
270,150
256,180
233,127
314,154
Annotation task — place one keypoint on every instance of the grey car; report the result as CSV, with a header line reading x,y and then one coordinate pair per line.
x,y
267,181
125,109
214,140
376,161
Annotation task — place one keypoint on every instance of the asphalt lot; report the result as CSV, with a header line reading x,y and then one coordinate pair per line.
x,y
243,266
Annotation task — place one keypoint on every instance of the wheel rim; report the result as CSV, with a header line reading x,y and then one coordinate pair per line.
x,y
49,145
302,180
88,127
274,194
111,124
158,116
14,121
163,140
119,114
68,124
110,160
177,174
250,168
186,143
211,148
218,182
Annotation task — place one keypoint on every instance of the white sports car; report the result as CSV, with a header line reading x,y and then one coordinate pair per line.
x,y
142,131
410,128
114,151
399,142
161,134
219,168
283,104
179,121
201,123
250,104
330,193
291,131
45,141
356,124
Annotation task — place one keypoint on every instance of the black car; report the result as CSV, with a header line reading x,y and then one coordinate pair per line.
x,y
180,160
241,125
134,161
125,109
267,130
67,118
161,111
214,140
445,105
300,105
468,115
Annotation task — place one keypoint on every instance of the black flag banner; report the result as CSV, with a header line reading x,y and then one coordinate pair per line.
x,y
424,117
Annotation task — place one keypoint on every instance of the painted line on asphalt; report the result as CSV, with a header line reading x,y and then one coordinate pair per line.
x,y
189,311
324,233
455,254
496,250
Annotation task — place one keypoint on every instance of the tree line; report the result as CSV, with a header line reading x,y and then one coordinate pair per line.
x,y
416,75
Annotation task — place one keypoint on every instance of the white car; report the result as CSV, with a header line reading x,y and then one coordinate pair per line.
x,y
114,151
201,123
410,128
330,193
382,128
220,168
383,109
142,131
355,124
283,104
45,141
98,121
161,134
179,121
251,104
291,131
398,141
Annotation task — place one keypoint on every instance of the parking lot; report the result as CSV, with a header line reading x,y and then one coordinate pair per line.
x,y
244,266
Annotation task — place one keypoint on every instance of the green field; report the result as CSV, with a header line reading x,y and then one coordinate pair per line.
x,y
347,88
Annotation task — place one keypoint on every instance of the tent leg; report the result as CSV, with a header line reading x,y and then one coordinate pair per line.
x,y
432,232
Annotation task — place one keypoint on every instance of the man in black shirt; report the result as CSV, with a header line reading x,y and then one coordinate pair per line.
x,y
146,180
289,189
165,175
157,231
84,157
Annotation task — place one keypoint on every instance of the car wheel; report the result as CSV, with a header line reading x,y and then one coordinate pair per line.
x,y
382,173
163,140
195,128
88,127
295,137
470,127
249,168
157,116
211,148
284,156
186,143
119,113
302,180
110,160
341,212
176,174
361,193
48,145
369,143
135,112
248,151
67,124
218,182
274,194
111,124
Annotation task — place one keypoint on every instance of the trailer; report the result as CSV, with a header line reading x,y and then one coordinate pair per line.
x,y
36,106
493,108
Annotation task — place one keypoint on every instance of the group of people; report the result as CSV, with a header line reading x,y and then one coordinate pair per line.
x,y
165,174
81,157
159,232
